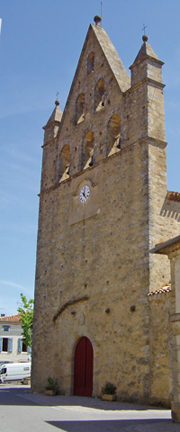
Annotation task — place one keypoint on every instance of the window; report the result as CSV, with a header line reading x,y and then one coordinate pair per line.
x,y
114,134
64,160
88,150
80,108
22,347
90,63
99,95
6,328
6,344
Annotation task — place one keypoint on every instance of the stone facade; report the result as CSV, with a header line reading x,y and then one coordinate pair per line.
x,y
171,248
94,271
161,386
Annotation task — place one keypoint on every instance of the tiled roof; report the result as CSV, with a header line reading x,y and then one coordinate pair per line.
x,y
173,196
164,289
11,318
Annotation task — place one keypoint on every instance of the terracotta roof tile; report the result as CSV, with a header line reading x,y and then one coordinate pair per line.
x,y
164,289
173,196
12,318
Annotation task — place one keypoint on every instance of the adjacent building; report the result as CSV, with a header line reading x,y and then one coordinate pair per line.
x,y
12,347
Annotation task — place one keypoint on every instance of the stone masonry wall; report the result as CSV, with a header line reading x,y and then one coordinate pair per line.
x,y
102,257
160,349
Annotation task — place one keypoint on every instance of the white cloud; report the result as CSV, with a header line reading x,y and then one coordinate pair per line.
x,y
12,284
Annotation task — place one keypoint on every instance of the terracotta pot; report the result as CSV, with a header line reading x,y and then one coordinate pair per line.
x,y
27,381
108,397
49,392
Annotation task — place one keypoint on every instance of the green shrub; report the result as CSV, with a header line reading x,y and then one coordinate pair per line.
x,y
52,384
109,388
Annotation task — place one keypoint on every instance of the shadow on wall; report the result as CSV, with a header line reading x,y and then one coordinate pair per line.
x,y
171,206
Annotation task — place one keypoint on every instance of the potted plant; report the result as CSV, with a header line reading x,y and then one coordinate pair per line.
x,y
109,392
51,387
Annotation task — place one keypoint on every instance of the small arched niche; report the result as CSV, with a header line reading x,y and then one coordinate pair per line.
x,y
114,134
99,95
80,108
90,63
88,150
64,160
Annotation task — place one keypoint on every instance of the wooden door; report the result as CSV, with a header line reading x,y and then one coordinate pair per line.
x,y
83,368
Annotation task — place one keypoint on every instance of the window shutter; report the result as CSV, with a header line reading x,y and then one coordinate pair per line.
x,y
19,345
10,345
29,349
0,344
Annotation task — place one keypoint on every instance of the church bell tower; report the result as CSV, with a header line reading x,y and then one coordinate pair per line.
x,y
102,189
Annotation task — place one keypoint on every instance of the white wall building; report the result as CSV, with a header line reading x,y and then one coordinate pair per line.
x,y
12,348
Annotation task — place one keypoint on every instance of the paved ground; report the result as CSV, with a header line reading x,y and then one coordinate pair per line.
x,y
21,411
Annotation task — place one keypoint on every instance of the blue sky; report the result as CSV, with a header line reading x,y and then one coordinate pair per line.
x,y
40,43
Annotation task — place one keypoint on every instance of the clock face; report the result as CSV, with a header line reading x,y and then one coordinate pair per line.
x,y
84,193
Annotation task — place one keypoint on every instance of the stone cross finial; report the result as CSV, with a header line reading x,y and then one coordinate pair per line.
x,y
57,101
145,37
144,28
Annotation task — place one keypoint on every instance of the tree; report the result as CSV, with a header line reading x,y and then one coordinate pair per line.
x,y
26,314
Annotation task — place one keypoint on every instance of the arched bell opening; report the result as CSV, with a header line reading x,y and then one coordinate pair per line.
x,y
114,134
90,63
99,95
88,150
80,108
64,161
83,368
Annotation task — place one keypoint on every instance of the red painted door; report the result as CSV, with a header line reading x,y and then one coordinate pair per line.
x,y
83,368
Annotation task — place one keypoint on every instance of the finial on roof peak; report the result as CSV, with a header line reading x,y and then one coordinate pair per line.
x,y
145,38
97,19
57,103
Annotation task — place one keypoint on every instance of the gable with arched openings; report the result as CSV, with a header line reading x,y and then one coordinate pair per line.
x,y
87,157
63,163
114,134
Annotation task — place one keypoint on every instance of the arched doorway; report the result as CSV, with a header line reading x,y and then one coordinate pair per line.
x,y
83,368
